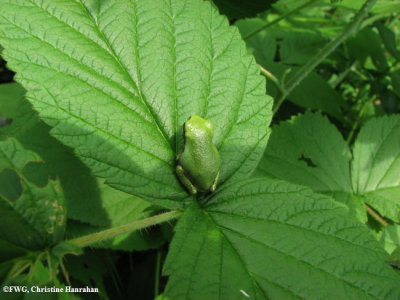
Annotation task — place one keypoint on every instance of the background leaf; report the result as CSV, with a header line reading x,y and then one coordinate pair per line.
x,y
390,237
376,165
120,209
246,242
310,151
366,46
291,48
38,213
95,205
119,96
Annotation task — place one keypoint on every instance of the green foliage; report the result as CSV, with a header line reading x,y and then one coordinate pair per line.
x,y
308,150
246,241
38,212
91,129
376,165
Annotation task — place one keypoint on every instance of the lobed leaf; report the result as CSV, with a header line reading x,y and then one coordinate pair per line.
x,y
118,90
37,212
376,165
81,190
265,239
310,151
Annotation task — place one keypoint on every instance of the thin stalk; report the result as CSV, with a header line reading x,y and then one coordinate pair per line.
x,y
278,19
344,74
324,52
157,274
356,123
375,215
273,79
97,237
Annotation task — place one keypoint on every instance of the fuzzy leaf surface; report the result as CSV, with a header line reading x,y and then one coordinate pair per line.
x,y
272,240
118,89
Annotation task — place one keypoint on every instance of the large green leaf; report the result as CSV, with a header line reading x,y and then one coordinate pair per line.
x,y
35,218
308,150
266,239
81,191
117,81
87,200
376,165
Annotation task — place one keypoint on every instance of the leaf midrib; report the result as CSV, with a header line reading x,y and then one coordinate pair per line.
x,y
116,59
299,260
297,227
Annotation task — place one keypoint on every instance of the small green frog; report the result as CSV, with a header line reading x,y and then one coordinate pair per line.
x,y
198,163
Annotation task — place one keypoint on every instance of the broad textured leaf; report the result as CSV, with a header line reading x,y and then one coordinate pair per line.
x,y
117,80
355,204
11,95
376,165
263,44
308,150
87,200
273,240
81,190
37,217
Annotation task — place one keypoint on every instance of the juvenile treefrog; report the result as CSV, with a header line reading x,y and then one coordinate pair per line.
x,y
198,163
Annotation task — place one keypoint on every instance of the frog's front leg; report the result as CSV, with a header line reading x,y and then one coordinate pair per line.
x,y
214,185
185,181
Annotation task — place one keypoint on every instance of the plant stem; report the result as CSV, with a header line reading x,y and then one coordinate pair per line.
x,y
324,52
272,77
97,237
355,125
278,19
375,215
343,75
157,274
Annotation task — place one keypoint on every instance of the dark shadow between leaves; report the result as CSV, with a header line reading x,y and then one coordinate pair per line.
x,y
10,185
81,190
